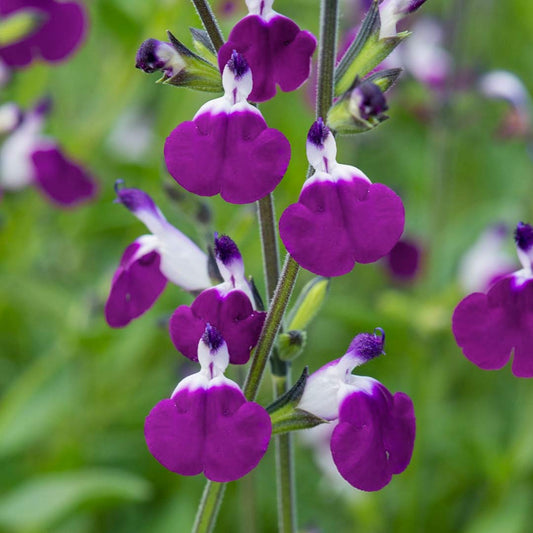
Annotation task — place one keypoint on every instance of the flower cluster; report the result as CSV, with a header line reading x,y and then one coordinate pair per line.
x,y
488,327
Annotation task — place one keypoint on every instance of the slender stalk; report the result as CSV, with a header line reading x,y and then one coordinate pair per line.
x,y
208,509
210,22
269,242
326,56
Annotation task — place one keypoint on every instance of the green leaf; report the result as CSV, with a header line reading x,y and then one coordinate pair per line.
x,y
42,501
308,303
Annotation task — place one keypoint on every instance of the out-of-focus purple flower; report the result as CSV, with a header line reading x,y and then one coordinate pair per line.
x,y
58,31
29,158
278,52
488,327
5,74
151,260
504,85
424,56
207,425
486,261
403,261
392,11
374,431
341,217
227,148
228,307
158,55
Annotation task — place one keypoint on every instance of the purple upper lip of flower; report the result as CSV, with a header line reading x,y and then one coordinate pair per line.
x,y
212,338
147,58
238,65
318,132
225,249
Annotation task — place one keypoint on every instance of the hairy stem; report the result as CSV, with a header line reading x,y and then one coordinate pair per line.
x,y
208,509
210,22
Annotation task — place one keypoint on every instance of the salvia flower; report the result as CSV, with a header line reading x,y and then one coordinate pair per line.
x,y
374,430
227,306
56,32
27,157
278,52
156,55
392,11
488,327
486,261
341,217
207,425
150,261
403,262
227,148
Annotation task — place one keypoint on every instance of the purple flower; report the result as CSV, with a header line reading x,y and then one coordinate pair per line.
x,y
278,52
59,30
228,307
403,261
374,431
207,425
29,158
227,148
488,327
341,217
150,261
158,55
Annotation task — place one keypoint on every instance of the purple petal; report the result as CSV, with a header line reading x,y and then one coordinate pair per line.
x,y
214,430
59,35
374,438
62,180
233,154
403,261
277,51
136,285
336,224
232,315
488,327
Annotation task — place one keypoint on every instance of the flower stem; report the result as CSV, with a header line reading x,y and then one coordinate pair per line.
x,y
210,22
209,506
326,56
269,242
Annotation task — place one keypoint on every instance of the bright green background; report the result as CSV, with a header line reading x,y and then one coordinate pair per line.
x,y
74,393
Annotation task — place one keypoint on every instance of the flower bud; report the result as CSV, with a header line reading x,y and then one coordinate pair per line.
x,y
157,55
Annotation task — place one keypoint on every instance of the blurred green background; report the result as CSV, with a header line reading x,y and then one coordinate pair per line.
x,y
74,392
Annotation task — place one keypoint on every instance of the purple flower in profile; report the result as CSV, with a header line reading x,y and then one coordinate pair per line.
x,y
227,148
58,29
228,307
278,52
150,261
341,217
488,327
392,11
207,425
156,55
374,431
27,157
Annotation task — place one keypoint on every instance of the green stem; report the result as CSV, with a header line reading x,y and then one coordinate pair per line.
x,y
269,242
326,56
210,22
208,509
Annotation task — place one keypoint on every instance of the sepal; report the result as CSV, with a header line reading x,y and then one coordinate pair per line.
x,y
291,344
198,74
203,45
285,416
365,52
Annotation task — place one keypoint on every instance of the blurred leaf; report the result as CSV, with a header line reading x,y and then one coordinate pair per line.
x,y
39,503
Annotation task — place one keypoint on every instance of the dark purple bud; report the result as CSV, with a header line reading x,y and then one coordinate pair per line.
x,y
212,338
367,101
368,345
237,64
318,133
226,250
134,199
147,57
524,236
